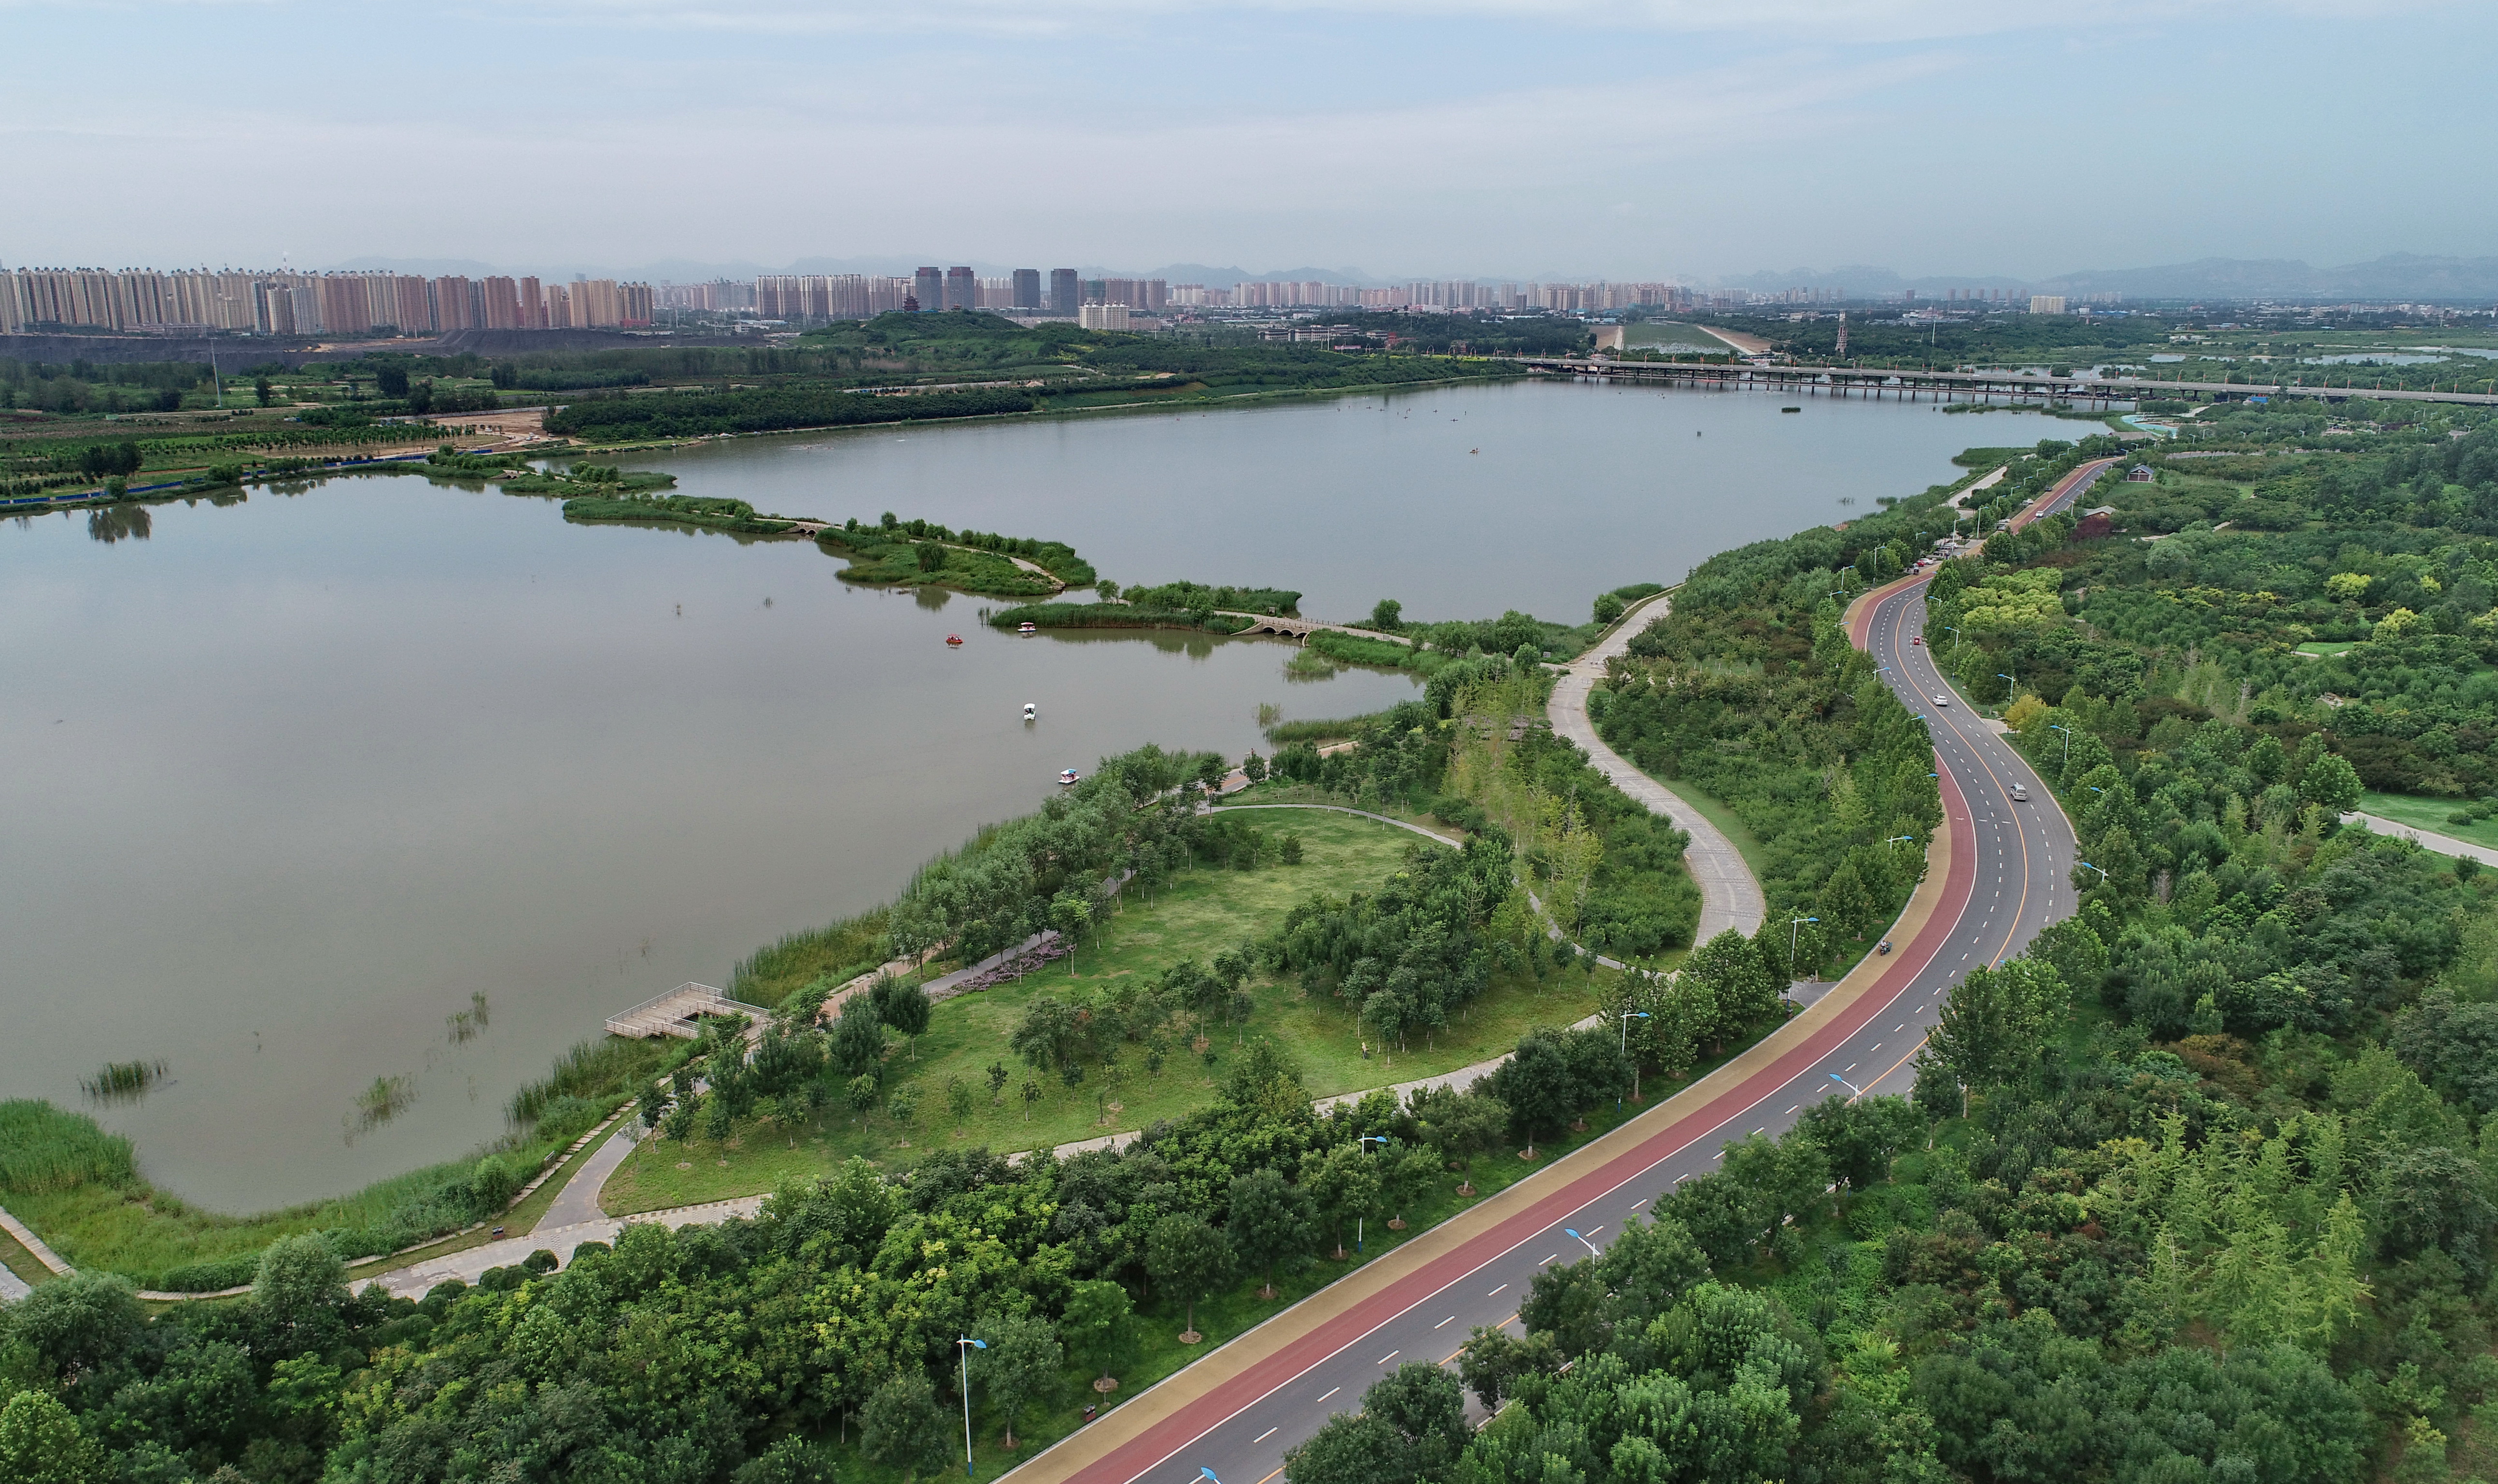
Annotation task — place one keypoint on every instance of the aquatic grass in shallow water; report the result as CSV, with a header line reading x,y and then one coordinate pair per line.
x,y
118,1081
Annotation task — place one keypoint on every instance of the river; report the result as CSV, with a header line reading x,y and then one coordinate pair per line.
x,y
292,779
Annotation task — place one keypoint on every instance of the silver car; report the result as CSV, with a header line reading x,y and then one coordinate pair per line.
x,y
1943,700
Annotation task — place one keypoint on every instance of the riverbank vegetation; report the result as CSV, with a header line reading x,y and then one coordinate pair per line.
x,y
81,1188
710,511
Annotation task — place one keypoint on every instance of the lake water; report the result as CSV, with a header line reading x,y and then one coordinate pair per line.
x,y
292,779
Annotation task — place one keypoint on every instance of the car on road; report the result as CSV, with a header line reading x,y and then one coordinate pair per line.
x,y
1941,700
1917,638
2020,793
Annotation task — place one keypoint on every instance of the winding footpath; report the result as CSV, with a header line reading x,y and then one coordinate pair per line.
x,y
1730,896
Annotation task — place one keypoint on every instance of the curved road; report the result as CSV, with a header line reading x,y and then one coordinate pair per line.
x,y
1729,894
1998,872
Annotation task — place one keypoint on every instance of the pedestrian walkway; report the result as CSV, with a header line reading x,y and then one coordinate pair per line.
x,y
1729,894
2425,839
471,1264
578,1201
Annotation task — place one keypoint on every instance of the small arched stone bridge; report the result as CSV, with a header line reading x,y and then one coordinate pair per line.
x,y
1300,630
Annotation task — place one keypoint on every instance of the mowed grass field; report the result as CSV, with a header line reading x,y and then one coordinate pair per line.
x,y
2429,813
1207,912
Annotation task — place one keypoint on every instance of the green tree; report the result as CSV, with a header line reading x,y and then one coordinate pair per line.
x,y
260,389
958,1100
1269,1222
2331,784
1740,985
1188,1260
1997,1020
997,1075
904,1008
77,1324
1536,1086
858,1036
902,1429
298,1291
41,1443
1096,1324
1343,1183
1388,614
1021,1362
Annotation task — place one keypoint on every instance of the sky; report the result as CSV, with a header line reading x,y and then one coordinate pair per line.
x,y
1624,139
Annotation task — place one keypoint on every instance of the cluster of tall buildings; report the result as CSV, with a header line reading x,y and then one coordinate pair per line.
x,y
285,303
818,297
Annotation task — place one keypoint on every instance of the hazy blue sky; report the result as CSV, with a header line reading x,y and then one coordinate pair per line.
x,y
1470,137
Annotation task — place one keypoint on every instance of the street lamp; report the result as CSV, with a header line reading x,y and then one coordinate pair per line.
x,y
1954,630
1845,1083
1628,1016
2010,685
1582,1241
2103,876
1795,925
964,1347
2068,740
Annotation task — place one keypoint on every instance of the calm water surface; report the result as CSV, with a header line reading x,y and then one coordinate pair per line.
x,y
291,780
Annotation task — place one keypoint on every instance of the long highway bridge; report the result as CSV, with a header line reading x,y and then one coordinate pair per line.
x,y
1961,386
1999,871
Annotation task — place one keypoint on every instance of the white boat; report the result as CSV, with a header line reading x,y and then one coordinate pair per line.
x,y
1066,776
1031,712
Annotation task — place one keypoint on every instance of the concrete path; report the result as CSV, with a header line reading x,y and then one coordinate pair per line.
x,y
469,1265
2425,839
1729,896
578,1201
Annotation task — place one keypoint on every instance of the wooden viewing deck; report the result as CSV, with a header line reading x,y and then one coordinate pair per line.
x,y
679,1013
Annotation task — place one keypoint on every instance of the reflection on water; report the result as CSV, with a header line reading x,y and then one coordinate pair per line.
x,y
119,523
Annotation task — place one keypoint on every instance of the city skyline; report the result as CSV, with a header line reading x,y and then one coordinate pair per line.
x,y
1503,140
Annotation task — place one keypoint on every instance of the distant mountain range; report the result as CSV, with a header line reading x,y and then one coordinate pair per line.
x,y
2399,276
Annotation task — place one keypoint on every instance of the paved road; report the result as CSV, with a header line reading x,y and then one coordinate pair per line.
x,y
1729,895
1999,873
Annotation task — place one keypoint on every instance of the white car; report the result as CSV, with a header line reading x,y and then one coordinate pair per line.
x,y
2020,793
1943,700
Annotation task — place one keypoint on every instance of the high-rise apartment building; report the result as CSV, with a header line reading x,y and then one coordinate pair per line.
x,y
928,287
1101,317
1027,289
2046,303
1066,293
962,289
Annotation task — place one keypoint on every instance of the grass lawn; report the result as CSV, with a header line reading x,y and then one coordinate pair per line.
x,y
2429,813
1205,912
2317,649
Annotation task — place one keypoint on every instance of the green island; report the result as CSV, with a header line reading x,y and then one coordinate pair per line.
x,y
2203,1186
